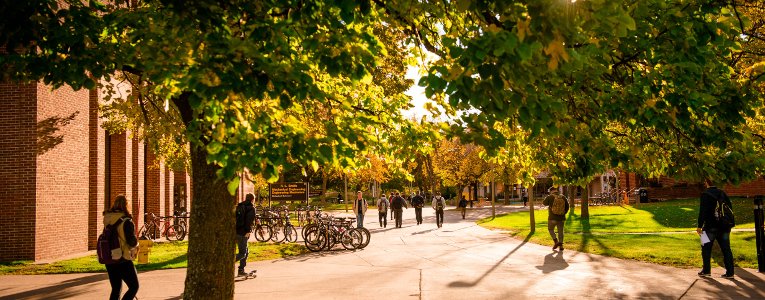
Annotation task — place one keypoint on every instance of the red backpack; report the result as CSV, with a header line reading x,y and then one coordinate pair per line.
x,y
108,246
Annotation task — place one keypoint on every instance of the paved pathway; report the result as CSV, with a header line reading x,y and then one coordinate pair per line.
x,y
460,260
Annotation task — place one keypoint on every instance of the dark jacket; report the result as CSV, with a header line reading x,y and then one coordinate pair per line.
x,y
549,201
418,201
398,203
463,203
249,217
707,207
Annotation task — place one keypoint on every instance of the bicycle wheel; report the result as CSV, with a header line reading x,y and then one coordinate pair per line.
x,y
365,237
351,239
315,239
278,234
150,232
262,233
175,233
305,229
290,234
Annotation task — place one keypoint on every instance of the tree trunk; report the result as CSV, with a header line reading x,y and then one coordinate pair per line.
x,y
586,202
533,224
493,209
572,197
323,185
431,175
210,273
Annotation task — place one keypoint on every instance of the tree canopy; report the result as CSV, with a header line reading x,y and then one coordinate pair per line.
x,y
658,87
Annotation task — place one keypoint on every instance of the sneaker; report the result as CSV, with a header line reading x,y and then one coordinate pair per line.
x,y
728,276
241,273
555,245
704,274
560,245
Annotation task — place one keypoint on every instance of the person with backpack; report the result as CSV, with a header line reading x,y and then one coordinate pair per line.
x,y
463,207
360,208
382,210
245,216
398,206
418,201
119,226
439,203
557,207
715,220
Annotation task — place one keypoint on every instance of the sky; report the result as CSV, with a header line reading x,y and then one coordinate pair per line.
x,y
417,93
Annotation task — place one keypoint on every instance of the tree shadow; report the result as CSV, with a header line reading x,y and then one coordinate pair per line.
x,y
553,262
46,130
465,284
67,289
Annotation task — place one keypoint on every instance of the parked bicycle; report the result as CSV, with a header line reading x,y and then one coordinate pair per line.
x,y
155,227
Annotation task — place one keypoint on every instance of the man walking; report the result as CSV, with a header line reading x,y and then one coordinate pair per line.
x,y
245,215
418,202
390,200
398,206
716,221
439,203
557,207
360,208
382,211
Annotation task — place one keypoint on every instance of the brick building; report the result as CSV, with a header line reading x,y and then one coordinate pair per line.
x,y
59,170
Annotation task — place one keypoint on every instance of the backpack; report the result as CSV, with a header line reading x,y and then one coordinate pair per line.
x,y
241,215
723,214
558,207
108,246
383,204
440,203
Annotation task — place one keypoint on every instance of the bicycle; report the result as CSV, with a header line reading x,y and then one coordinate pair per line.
x,y
155,228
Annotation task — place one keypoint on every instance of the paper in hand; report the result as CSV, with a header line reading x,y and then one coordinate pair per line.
x,y
704,238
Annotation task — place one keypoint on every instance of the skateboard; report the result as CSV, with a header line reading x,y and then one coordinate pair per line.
x,y
249,275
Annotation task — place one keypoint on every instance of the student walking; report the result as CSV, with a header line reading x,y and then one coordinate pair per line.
x,y
439,203
382,211
557,207
123,270
245,216
715,220
398,206
463,207
418,202
360,208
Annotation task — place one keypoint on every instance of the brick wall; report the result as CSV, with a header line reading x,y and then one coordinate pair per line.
x,y
155,177
62,172
137,189
96,171
748,189
17,170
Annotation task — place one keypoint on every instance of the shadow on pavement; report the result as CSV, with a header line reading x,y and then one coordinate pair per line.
x,y
463,284
553,262
65,289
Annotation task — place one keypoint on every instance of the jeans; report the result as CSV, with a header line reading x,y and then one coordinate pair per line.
x,y
383,218
398,217
439,217
551,225
244,251
418,214
723,240
392,214
119,272
359,220
462,210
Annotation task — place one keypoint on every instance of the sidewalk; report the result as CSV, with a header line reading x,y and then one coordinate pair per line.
x,y
457,261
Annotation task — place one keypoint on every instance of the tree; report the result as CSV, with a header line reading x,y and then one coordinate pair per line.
x,y
232,79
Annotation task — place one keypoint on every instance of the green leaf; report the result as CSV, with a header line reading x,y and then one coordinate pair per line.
x,y
214,147
233,185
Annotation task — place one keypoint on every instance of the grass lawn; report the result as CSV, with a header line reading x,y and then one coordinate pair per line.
x,y
162,256
615,231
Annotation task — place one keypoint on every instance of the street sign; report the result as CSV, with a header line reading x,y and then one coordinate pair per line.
x,y
290,191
